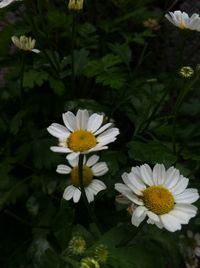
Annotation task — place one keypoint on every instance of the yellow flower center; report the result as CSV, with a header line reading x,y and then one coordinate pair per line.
x,y
81,140
182,24
87,176
158,199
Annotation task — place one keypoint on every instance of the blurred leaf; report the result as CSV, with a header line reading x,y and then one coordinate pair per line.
x,y
33,77
152,152
57,86
80,60
16,122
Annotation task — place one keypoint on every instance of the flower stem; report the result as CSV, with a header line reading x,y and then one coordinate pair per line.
x,y
72,52
22,78
83,194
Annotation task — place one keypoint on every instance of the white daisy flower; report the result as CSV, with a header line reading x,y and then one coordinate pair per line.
x,y
25,43
159,194
5,3
194,242
82,134
193,263
90,168
183,21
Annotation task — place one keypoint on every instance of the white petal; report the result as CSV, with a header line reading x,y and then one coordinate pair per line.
x,y
72,156
97,186
92,160
146,173
94,122
190,195
100,169
126,180
197,251
172,177
69,192
136,181
5,3
187,208
123,189
69,120
97,148
180,186
153,216
76,195
170,222
58,149
182,216
74,161
82,119
89,194
35,50
63,169
122,200
108,136
103,128
138,215
58,131
159,174
136,170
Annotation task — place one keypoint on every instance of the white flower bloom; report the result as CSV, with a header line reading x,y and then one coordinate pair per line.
x,y
91,168
193,263
159,194
5,3
183,21
82,134
25,43
75,5
194,242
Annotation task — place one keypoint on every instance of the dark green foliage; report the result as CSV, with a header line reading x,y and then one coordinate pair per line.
x,y
105,60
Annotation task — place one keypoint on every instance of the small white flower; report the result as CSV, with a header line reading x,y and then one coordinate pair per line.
x,y
5,3
183,21
25,43
194,242
75,5
193,263
159,194
82,134
90,168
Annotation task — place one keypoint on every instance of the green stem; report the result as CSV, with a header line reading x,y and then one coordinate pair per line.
x,y
83,194
72,52
22,78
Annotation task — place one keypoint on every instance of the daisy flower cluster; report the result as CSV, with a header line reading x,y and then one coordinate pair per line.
x,y
160,195
80,135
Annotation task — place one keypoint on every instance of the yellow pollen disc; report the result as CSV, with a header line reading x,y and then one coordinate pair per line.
x,y
87,176
182,24
81,141
158,199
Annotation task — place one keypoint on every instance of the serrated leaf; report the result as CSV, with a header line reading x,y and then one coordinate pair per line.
x,y
33,78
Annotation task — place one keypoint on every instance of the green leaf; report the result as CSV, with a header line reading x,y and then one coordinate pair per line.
x,y
123,51
33,78
57,86
152,152
80,60
16,122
